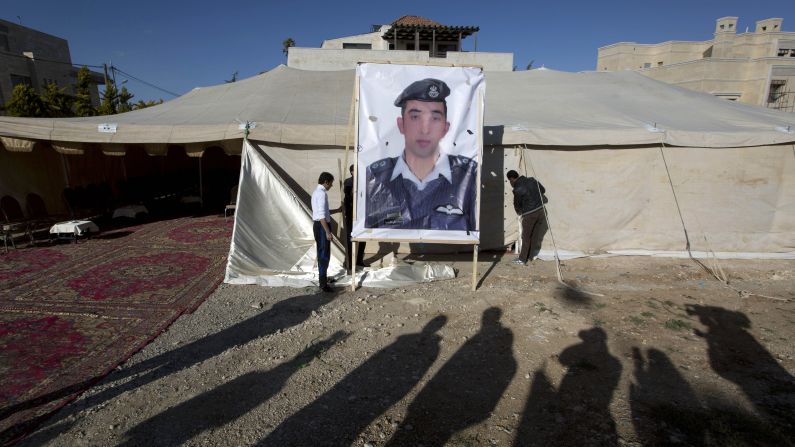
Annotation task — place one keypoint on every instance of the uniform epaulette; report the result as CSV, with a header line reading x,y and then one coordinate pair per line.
x,y
385,164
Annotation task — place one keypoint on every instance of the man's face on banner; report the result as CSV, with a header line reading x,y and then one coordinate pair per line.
x,y
423,125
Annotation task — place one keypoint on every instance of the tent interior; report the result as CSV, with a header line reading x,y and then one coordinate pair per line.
x,y
631,165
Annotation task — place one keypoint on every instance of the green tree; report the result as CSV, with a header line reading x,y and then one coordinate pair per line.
x,y
288,42
124,100
82,103
57,103
25,102
110,100
141,104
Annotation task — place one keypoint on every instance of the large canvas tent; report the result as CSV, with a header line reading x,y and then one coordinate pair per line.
x,y
630,164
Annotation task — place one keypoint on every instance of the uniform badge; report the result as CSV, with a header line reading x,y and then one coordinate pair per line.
x,y
433,91
450,210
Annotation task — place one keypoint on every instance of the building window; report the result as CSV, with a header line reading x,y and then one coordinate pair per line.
x,y
722,26
764,28
19,79
659,64
647,65
776,90
391,46
356,46
409,46
4,42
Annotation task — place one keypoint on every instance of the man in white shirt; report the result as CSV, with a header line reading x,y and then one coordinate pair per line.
x,y
322,217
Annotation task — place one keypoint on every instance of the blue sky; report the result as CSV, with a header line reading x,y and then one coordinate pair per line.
x,y
179,45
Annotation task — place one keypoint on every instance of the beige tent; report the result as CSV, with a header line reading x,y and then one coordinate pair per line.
x,y
629,163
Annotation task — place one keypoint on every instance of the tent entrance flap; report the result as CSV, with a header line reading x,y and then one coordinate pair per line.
x,y
272,241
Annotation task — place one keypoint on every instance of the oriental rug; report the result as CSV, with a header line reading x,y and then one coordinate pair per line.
x,y
70,313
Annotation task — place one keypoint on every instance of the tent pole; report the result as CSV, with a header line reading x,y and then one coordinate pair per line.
x,y
65,170
201,185
474,267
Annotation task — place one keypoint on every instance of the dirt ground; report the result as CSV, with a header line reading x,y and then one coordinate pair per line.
x,y
660,354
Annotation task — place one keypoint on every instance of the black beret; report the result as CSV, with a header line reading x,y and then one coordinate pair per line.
x,y
429,90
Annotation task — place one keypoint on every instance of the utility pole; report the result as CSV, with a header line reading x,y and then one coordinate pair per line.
x,y
105,67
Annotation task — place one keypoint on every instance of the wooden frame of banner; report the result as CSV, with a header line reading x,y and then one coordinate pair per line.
x,y
354,126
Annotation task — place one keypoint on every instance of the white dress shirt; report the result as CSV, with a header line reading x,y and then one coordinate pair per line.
x,y
320,204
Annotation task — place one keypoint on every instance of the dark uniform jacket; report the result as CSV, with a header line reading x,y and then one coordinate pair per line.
x,y
526,195
441,205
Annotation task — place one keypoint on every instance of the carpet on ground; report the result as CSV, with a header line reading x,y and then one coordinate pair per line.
x,y
71,312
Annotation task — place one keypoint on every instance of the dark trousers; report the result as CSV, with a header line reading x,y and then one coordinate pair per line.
x,y
532,224
359,251
323,252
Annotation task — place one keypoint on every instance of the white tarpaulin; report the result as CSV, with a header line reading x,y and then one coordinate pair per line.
x,y
272,241
535,107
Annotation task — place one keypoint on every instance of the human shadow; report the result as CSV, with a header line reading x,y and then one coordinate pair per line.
x,y
738,357
578,412
667,410
224,404
338,416
465,390
280,316
572,296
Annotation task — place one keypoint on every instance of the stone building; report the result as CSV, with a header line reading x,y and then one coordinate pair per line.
x,y
752,67
35,58
409,39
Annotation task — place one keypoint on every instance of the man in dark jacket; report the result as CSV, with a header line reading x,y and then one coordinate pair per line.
x,y
528,201
347,200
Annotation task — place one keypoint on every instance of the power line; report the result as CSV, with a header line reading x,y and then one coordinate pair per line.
x,y
116,69
36,59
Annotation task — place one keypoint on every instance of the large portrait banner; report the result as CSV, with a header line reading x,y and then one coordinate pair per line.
x,y
419,148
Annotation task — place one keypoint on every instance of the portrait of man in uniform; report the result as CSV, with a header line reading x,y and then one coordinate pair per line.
x,y
423,187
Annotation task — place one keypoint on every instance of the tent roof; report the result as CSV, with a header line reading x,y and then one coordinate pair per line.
x,y
536,107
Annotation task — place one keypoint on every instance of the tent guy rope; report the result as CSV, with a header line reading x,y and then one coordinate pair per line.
x,y
716,272
523,161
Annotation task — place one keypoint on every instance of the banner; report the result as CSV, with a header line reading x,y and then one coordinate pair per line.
x,y
419,148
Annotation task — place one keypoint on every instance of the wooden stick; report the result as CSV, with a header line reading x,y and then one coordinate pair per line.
x,y
475,267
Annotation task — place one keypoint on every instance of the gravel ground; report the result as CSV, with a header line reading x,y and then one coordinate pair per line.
x,y
659,353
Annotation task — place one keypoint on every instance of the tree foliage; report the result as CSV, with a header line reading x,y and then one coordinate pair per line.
x,y
286,44
57,103
83,106
54,102
25,102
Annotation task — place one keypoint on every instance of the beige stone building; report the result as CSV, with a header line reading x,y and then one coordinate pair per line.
x,y
407,39
752,67
31,57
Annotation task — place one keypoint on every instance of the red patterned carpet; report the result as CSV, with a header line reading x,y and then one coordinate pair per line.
x,y
70,313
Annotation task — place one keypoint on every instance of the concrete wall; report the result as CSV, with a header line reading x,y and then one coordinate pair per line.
x,y
330,59
374,39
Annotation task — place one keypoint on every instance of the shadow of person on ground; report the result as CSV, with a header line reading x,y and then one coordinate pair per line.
x,y
224,404
666,410
737,357
280,316
578,413
465,390
344,411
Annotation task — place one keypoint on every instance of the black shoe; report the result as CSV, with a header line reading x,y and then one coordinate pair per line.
x,y
326,289
331,281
